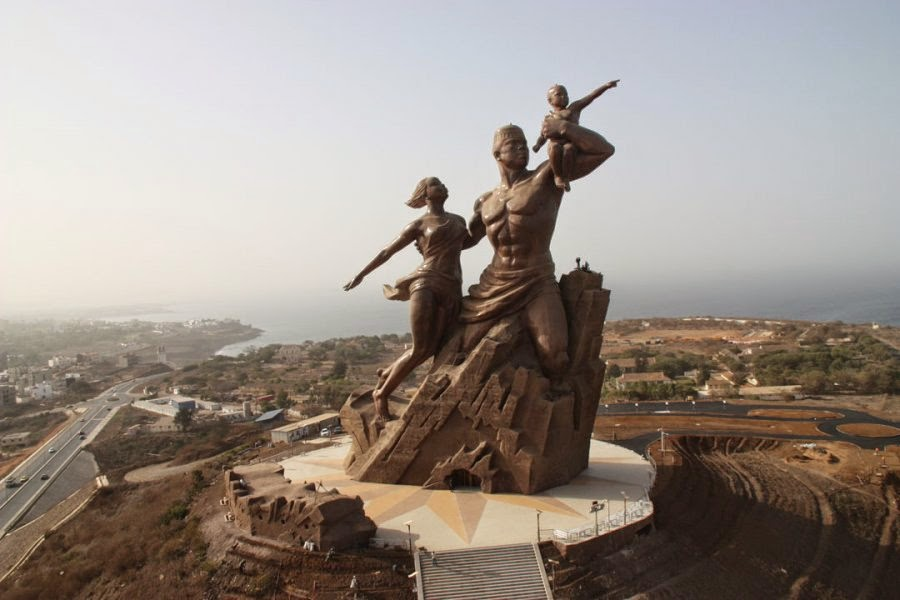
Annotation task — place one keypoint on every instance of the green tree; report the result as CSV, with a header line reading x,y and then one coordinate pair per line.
x,y
339,370
283,400
813,382
184,418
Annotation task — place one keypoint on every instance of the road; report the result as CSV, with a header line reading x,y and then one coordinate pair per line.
x,y
719,408
52,462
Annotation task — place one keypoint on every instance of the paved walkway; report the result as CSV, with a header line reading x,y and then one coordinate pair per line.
x,y
444,520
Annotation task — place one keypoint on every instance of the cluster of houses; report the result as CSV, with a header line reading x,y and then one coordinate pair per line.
x,y
719,384
19,385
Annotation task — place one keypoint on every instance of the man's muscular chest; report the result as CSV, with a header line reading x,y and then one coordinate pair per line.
x,y
522,199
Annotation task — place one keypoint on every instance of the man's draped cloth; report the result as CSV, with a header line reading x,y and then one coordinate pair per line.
x,y
501,292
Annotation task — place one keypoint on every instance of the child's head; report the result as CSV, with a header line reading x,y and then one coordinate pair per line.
x,y
557,96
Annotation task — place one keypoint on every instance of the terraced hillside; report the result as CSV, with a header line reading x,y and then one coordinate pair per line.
x,y
741,518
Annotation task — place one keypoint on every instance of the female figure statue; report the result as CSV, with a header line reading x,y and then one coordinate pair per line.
x,y
433,290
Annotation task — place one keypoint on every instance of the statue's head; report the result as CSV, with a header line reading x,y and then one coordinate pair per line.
x,y
429,188
505,133
557,96
511,133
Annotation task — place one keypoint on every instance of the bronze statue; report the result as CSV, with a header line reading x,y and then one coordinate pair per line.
x,y
518,218
561,152
434,289
510,401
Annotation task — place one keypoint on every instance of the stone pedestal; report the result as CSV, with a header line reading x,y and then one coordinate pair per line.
x,y
490,418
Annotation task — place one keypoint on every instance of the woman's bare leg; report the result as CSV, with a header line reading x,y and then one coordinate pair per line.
x,y
427,330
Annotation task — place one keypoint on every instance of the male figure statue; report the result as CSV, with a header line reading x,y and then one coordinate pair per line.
x,y
518,217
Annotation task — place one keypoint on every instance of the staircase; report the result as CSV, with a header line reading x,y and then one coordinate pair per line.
x,y
514,572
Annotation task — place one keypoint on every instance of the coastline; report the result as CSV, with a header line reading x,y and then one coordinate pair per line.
x,y
200,349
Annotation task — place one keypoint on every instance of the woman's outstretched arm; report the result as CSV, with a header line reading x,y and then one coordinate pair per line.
x,y
406,237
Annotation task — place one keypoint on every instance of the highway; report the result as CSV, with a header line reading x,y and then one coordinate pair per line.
x,y
35,476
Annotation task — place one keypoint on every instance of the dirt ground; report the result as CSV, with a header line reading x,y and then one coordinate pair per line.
x,y
749,518
869,430
736,517
624,426
793,414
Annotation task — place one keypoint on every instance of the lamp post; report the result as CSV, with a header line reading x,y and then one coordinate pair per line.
x,y
596,507
625,510
409,536
538,511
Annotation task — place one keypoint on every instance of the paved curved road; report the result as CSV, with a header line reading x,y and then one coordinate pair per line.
x,y
59,466
712,408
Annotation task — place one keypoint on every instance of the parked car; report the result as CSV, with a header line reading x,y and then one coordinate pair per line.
x,y
326,432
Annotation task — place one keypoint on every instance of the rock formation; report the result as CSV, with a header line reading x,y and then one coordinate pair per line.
x,y
264,503
490,418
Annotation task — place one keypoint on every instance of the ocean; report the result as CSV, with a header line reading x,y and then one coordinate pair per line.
x,y
294,320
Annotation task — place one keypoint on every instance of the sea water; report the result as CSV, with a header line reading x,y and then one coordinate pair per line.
x,y
296,318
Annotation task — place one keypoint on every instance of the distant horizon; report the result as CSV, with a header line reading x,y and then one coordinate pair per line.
x,y
206,153
293,318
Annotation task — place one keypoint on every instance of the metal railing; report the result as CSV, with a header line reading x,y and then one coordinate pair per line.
x,y
641,508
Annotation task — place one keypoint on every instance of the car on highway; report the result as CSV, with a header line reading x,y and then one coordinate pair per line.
x,y
23,479
11,483
45,477
52,450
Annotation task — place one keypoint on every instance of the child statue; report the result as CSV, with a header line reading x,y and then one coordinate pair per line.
x,y
560,152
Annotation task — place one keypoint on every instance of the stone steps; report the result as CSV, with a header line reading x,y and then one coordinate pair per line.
x,y
513,572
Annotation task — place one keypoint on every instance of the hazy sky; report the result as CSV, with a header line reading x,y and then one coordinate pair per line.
x,y
186,151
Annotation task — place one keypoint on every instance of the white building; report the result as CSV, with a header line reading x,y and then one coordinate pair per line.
x,y
306,428
42,391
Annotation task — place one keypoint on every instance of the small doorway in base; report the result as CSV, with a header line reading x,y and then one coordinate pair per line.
x,y
460,479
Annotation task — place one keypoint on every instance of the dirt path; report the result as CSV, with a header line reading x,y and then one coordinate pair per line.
x,y
163,470
885,547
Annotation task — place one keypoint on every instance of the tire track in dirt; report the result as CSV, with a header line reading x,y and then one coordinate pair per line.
x,y
886,547
826,515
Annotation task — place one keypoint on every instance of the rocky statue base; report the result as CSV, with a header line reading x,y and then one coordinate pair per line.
x,y
266,504
489,418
